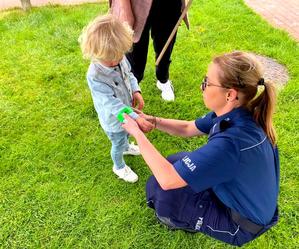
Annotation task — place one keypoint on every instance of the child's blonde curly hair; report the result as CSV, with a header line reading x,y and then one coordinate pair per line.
x,y
106,39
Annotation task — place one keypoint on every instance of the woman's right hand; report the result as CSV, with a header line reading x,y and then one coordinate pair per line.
x,y
144,125
148,118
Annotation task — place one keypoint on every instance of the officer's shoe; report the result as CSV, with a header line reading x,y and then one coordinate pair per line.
x,y
126,174
132,150
167,90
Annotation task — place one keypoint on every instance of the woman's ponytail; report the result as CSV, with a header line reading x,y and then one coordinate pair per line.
x,y
262,108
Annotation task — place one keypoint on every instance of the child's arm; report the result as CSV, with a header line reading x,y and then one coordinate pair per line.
x,y
102,94
133,81
137,97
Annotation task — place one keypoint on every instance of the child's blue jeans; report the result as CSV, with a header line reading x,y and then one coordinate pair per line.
x,y
119,141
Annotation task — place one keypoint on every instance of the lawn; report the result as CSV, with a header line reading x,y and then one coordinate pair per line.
x,y
57,187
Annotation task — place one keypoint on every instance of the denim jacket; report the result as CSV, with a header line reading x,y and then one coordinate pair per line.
x,y
111,90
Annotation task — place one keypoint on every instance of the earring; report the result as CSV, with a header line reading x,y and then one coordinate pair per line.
x,y
227,99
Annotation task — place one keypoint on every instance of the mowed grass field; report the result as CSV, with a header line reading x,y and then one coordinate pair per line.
x,y
57,189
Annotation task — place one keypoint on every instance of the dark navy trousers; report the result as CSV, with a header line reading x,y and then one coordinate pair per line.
x,y
197,212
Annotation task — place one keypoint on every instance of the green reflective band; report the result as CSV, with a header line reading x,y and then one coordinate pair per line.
x,y
120,115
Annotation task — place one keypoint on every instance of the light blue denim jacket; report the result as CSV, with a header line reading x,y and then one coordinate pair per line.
x,y
111,91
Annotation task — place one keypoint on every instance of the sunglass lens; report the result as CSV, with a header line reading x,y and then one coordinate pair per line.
x,y
204,84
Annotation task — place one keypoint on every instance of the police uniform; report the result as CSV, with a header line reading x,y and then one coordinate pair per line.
x,y
232,182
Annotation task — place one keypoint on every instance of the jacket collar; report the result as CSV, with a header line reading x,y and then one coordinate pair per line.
x,y
107,70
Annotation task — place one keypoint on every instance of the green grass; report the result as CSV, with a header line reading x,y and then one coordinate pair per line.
x,y
57,188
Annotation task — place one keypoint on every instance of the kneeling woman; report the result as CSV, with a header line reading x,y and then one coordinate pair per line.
x,y
228,188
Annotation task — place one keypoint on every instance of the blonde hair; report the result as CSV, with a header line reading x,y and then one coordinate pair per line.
x,y
243,72
106,38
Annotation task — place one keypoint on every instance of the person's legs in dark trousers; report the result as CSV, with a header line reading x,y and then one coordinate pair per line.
x,y
162,19
165,15
138,56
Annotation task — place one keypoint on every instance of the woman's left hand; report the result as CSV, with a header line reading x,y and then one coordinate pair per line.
x,y
131,126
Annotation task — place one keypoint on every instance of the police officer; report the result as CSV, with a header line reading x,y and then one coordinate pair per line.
x,y
228,188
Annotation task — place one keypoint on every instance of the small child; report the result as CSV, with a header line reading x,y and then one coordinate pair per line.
x,y
113,87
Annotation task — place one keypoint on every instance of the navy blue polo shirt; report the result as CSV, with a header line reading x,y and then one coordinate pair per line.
x,y
239,163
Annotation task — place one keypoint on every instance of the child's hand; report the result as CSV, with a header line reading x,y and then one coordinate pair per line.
x,y
144,125
137,99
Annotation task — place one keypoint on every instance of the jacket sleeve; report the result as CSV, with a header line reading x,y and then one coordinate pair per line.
x,y
103,95
133,81
210,165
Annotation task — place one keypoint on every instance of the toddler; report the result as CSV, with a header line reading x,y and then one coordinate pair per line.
x,y
113,87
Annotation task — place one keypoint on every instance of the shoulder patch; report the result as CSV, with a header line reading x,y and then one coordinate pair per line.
x,y
190,165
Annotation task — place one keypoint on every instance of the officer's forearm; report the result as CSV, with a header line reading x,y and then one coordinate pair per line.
x,y
176,127
164,171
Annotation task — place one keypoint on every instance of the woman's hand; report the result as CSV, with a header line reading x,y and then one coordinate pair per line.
x,y
131,126
144,125
148,118
138,100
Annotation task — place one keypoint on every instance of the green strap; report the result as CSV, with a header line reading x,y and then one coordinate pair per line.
x,y
120,115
